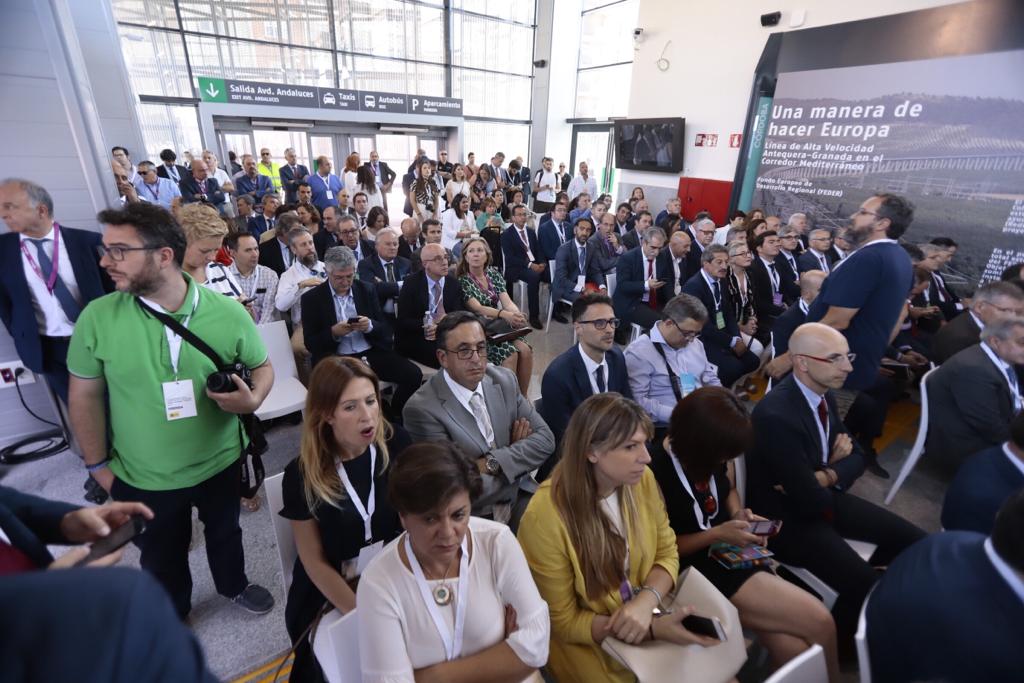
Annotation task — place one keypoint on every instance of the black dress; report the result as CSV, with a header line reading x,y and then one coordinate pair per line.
x,y
683,519
341,534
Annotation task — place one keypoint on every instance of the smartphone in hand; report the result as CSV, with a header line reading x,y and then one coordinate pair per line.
x,y
117,539
767,527
705,626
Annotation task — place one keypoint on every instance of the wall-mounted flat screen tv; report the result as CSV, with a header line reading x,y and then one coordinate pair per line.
x,y
650,144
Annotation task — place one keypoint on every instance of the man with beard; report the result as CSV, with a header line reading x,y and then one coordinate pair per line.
x,y
174,443
305,272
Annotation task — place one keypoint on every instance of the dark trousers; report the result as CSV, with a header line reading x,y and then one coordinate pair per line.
x,y
730,366
818,546
540,207
55,365
391,367
866,418
532,279
164,545
420,350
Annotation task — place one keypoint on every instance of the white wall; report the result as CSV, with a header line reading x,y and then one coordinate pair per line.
x,y
554,93
714,50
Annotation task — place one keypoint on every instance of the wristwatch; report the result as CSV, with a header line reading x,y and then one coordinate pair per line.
x,y
492,465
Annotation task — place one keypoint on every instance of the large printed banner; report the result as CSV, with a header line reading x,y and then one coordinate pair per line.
x,y
947,133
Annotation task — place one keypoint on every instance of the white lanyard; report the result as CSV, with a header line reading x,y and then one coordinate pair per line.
x,y
173,338
155,194
365,511
773,275
452,642
697,511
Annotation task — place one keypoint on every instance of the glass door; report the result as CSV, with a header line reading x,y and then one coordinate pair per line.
x,y
322,145
239,143
593,145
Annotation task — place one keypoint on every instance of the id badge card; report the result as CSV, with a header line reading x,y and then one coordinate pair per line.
x,y
179,400
777,298
720,320
581,281
687,383
330,195
367,553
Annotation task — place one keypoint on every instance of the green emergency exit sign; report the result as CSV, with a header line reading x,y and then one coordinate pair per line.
x,y
212,89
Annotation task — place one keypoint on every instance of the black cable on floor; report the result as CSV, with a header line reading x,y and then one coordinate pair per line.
x,y
51,442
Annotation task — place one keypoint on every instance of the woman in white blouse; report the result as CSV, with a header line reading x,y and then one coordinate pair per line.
x,y
457,222
452,599
459,184
366,183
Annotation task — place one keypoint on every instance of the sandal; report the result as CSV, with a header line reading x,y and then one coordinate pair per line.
x,y
251,504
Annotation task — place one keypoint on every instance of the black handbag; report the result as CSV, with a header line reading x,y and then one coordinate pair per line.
x,y
250,459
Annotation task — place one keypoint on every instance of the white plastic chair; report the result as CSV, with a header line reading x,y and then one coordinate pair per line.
x,y
336,647
635,332
288,394
918,449
739,468
610,280
861,638
828,594
807,667
286,550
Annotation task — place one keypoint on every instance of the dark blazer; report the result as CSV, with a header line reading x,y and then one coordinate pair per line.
x,y
514,251
970,407
941,611
161,170
808,261
949,308
323,240
386,174
954,337
290,181
567,270
979,489
254,188
631,240
192,191
787,452
319,315
606,260
547,235
928,324
372,272
693,263
710,334
631,274
271,257
834,255
784,327
405,251
414,300
16,308
31,522
764,306
566,385
258,225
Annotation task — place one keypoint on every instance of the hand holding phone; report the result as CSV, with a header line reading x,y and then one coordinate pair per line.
x,y
710,627
765,527
117,539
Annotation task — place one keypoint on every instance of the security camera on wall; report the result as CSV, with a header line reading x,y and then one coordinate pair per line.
x,y
638,35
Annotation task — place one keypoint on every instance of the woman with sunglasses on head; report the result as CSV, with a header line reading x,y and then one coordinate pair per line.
x,y
335,495
599,544
452,599
694,467
741,294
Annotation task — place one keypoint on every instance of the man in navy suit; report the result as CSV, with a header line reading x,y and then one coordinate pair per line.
x,y
786,324
39,307
383,175
386,270
984,482
644,282
265,220
170,170
326,312
576,265
553,232
431,290
524,261
772,293
198,186
275,253
702,234
950,607
817,256
721,334
642,223
252,183
292,173
593,366
801,469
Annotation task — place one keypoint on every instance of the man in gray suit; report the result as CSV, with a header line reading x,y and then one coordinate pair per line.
x,y
481,409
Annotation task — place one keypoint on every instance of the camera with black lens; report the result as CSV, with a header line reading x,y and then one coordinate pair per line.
x,y
220,382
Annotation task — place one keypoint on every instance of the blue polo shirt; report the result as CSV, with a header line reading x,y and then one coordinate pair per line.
x,y
876,280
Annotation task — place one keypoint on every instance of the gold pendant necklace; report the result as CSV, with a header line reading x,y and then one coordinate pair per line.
x,y
442,592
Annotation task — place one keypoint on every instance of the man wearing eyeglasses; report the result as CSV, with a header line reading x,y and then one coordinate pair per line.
x,y
703,233
593,366
802,467
479,407
426,298
671,362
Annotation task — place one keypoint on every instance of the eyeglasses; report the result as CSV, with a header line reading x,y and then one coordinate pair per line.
x,y
686,334
1019,312
601,323
465,353
865,212
834,359
118,253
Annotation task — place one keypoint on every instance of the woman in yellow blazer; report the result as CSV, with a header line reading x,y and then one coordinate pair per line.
x,y
597,539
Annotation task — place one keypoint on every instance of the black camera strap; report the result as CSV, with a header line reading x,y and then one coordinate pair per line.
x,y
247,424
672,377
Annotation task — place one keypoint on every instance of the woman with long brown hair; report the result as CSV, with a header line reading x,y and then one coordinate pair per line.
x,y
349,173
599,543
708,430
335,494
426,197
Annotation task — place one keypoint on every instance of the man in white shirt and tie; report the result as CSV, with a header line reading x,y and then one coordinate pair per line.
x,y
480,408
292,173
816,257
524,261
678,250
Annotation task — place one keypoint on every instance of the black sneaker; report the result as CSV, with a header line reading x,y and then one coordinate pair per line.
x,y
874,468
559,317
536,323
255,599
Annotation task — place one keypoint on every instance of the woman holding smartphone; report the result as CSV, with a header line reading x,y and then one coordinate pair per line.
x,y
708,429
335,495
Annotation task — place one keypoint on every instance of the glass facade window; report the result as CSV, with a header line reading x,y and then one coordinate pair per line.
x,y
487,137
247,61
606,58
391,75
390,28
522,11
492,95
146,12
603,92
482,43
155,61
294,22
167,126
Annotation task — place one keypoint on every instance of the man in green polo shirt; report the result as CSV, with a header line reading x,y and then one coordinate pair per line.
x,y
174,444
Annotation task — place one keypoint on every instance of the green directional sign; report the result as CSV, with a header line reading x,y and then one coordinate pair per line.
x,y
212,89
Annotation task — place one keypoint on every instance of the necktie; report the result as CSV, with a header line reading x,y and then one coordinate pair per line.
x,y
483,420
389,269
583,260
823,414
652,300
941,287
270,224
717,290
774,277
60,290
14,561
561,233
824,266
438,302
601,386
173,172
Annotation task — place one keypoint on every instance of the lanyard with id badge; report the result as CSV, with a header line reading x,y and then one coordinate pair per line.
x,y
179,394
365,511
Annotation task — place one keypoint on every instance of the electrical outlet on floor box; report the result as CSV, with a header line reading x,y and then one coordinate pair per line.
x,y
9,368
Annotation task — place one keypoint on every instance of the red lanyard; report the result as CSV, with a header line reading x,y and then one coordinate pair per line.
x,y
52,280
